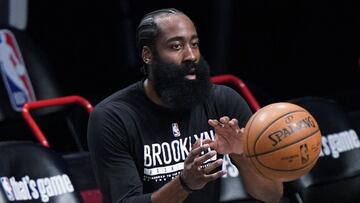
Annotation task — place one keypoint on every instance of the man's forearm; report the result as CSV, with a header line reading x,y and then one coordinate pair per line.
x,y
172,192
256,185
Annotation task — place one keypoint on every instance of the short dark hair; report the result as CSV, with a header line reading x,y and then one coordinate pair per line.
x,y
147,30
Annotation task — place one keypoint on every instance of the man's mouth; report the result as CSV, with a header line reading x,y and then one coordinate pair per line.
x,y
191,75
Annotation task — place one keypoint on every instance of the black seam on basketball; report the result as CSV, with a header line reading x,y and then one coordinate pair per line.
x,y
258,136
247,135
247,146
260,154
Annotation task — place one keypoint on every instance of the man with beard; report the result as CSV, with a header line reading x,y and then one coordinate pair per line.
x,y
159,139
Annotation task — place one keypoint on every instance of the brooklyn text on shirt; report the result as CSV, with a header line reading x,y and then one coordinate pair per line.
x,y
165,160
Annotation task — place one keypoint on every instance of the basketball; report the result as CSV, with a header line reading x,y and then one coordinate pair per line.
x,y
283,141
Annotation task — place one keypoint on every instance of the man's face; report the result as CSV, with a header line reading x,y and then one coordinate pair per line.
x,y
180,75
177,41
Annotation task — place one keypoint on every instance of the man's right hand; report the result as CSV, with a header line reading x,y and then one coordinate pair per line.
x,y
194,175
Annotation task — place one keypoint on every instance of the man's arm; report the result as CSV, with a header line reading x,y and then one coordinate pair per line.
x,y
229,140
113,164
256,185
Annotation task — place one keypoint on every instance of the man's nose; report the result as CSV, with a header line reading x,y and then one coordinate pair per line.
x,y
190,53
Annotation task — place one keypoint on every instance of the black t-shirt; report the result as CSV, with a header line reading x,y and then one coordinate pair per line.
x,y
137,146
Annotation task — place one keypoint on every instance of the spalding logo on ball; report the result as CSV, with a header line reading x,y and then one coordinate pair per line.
x,y
283,141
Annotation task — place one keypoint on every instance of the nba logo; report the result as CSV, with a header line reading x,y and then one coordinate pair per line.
x,y
304,153
175,129
13,71
7,188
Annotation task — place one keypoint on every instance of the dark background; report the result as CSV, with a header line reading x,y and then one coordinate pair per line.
x,y
281,49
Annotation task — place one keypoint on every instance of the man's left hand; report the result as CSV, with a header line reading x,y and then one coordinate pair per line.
x,y
229,136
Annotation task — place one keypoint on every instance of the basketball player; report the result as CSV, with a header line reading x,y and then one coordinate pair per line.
x,y
158,140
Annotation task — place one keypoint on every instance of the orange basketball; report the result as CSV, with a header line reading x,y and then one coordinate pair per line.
x,y
283,141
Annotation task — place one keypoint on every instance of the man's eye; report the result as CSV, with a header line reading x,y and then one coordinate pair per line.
x,y
176,46
195,44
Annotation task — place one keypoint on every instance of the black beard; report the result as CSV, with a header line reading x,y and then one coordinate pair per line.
x,y
177,92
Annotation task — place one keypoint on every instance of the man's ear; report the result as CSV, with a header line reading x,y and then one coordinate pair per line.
x,y
146,55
